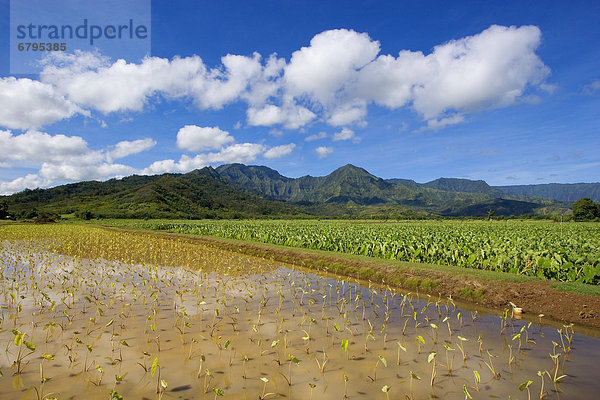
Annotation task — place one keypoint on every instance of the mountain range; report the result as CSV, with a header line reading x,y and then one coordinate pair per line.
x,y
241,191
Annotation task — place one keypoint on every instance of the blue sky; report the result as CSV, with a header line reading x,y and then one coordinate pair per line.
x,y
508,92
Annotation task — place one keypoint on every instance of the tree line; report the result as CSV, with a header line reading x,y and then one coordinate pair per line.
x,y
586,210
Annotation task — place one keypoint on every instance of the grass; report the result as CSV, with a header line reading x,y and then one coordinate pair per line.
x,y
577,288
475,294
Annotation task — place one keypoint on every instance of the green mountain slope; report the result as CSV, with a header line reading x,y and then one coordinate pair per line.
x,y
556,191
198,194
351,185
499,206
240,191
462,185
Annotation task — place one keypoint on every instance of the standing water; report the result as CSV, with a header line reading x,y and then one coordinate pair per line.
x,y
245,328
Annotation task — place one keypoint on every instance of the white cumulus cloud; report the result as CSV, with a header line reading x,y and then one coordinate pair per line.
x,y
93,81
344,134
127,148
279,151
35,146
348,113
30,181
333,79
329,63
316,136
437,124
196,138
323,151
291,117
62,158
236,153
488,70
28,104
85,169
592,87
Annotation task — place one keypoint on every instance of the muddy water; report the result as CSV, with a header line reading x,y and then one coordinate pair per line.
x,y
270,332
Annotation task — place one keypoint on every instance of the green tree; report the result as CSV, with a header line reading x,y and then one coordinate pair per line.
x,y
4,210
585,210
84,214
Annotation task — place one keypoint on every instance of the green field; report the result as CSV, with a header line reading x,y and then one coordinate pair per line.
x,y
568,252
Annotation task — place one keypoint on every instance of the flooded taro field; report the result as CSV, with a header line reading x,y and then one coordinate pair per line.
x,y
94,313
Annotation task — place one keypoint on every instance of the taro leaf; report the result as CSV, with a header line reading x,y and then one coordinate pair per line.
x,y
19,339
525,385
113,396
431,356
154,365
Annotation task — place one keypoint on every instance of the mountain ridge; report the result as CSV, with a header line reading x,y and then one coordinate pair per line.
x,y
243,191
568,192
354,185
